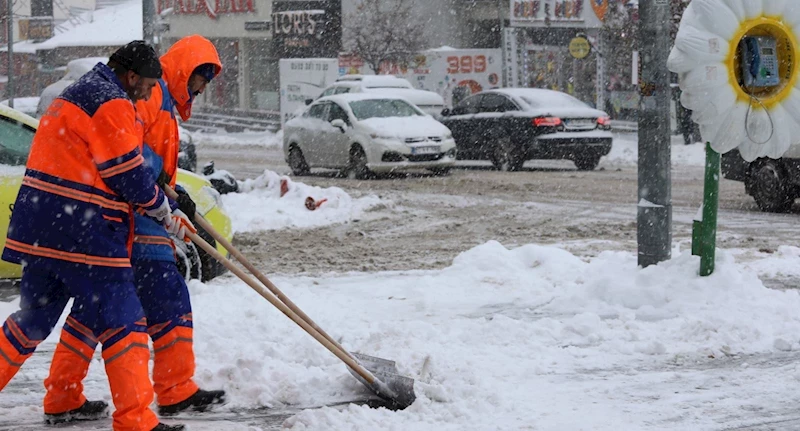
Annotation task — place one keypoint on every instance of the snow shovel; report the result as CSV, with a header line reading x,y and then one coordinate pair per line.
x,y
377,374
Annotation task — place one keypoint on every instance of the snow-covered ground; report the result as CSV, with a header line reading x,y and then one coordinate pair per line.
x,y
524,338
506,338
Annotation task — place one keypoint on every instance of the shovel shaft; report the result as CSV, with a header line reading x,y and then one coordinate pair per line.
x,y
202,222
340,353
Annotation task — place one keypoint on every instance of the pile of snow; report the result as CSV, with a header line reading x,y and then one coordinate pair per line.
x,y
625,151
502,339
256,139
260,206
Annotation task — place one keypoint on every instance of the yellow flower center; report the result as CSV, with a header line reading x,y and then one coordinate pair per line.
x,y
786,52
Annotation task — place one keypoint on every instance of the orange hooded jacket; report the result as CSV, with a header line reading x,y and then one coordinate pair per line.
x,y
172,93
161,142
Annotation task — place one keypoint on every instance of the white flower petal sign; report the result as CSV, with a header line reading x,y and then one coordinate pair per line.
x,y
758,121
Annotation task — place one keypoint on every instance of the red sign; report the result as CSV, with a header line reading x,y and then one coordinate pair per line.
x,y
212,8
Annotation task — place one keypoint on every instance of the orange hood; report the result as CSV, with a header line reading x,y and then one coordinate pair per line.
x,y
178,64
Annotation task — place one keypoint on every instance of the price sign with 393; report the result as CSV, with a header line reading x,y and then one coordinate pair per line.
x,y
466,64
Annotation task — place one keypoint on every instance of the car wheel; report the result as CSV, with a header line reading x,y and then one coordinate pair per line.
x,y
297,162
587,162
187,258
187,156
211,267
770,187
357,167
506,156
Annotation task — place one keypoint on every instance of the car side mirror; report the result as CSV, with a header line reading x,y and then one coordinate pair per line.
x,y
339,124
308,101
445,112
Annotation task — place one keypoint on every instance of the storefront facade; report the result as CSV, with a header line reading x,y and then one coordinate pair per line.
x,y
543,33
251,36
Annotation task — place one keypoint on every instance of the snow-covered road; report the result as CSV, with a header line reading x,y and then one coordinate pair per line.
x,y
513,299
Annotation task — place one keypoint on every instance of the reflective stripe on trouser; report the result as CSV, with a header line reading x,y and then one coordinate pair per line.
x,y
42,300
107,312
131,389
69,367
165,299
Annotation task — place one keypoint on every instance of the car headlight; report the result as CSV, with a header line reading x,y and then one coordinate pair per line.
x,y
211,191
448,136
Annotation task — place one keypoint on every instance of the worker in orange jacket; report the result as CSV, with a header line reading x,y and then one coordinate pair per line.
x,y
71,232
189,65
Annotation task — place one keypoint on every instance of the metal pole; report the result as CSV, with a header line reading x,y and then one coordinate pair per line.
x,y
10,83
149,22
654,221
708,234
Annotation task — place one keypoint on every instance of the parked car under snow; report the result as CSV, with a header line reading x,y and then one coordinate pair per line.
x,y
364,133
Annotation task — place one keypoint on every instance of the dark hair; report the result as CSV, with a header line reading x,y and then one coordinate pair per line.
x,y
138,57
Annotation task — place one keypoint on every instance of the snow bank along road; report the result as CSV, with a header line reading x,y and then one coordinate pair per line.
x,y
425,221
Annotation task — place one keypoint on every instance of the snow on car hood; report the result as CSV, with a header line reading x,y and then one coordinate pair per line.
x,y
417,97
405,127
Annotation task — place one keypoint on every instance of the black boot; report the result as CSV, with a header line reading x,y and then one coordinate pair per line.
x,y
198,402
89,411
165,427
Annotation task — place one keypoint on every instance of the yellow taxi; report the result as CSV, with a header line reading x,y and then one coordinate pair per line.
x,y
16,133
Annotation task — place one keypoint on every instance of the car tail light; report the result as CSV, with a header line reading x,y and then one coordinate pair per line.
x,y
546,121
604,121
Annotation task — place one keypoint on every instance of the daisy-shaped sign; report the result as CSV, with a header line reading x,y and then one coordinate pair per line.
x,y
737,63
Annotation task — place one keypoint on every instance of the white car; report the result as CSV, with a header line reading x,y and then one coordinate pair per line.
x,y
74,70
365,133
429,102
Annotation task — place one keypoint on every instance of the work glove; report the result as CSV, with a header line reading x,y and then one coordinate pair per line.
x,y
178,224
186,204
163,179
161,212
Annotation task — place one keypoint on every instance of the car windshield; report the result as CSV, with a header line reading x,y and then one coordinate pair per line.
x,y
553,100
15,141
381,108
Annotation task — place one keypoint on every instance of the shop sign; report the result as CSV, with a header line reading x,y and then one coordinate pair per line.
x,y
297,22
600,8
579,47
306,28
547,12
212,8
510,58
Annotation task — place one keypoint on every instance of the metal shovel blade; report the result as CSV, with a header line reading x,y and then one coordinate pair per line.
x,y
389,385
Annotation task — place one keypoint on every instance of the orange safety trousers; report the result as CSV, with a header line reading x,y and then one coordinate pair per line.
x,y
106,312
164,296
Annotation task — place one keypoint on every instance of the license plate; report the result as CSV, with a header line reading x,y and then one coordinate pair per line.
x,y
427,149
580,123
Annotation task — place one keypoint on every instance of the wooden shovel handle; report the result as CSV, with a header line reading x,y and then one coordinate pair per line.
x,y
340,353
304,322
202,222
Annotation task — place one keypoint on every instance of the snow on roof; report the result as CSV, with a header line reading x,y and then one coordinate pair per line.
x,y
110,26
23,47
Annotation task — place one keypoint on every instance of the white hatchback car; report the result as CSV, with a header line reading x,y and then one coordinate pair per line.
x,y
364,133
429,102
